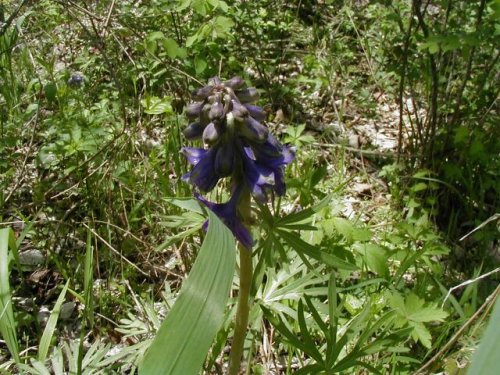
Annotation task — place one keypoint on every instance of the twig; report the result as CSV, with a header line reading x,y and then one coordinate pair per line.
x,y
114,250
79,182
355,150
484,223
469,282
83,10
401,88
108,17
490,300
125,231
11,18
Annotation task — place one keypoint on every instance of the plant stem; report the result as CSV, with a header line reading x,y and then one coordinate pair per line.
x,y
241,322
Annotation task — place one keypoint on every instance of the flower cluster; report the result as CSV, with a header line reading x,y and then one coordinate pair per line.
x,y
238,145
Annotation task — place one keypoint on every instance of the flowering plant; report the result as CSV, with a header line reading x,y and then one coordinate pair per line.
x,y
239,146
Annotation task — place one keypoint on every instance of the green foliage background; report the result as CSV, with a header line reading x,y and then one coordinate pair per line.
x,y
102,225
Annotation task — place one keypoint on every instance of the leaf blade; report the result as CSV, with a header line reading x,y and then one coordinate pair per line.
x,y
185,336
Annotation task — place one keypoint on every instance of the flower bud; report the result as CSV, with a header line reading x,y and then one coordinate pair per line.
x,y
234,83
239,110
216,111
193,110
204,115
256,112
214,81
254,130
211,133
193,131
247,95
202,93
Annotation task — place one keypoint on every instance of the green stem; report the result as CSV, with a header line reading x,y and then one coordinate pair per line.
x,y
241,322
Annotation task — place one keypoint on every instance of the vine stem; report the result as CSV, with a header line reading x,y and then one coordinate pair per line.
x,y
241,322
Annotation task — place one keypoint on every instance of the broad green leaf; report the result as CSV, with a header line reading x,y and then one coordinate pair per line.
x,y
428,314
397,302
7,321
50,90
223,26
184,4
375,257
154,105
171,47
199,7
420,333
362,234
200,64
184,338
486,359
191,40
344,227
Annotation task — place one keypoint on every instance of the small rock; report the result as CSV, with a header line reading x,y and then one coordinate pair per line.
x,y
32,257
43,315
67,309
354,141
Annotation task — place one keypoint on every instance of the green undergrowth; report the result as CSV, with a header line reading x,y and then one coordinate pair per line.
x,y
352,267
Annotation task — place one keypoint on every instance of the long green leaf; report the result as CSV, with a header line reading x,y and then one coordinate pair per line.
x,y
487,358
50,328
184,338
7,322
302,247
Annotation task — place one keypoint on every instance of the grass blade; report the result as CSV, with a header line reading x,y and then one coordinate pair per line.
x,y
48,332
7,322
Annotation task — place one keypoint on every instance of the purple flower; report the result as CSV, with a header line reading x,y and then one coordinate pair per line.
x,y
228,213
237,145
203,174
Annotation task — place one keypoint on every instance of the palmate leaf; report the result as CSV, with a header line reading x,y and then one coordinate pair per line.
x,y
415,312
184,338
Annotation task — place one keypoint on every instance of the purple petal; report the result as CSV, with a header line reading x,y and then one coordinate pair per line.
x,y
259,178
238,109
214,81
268,158
193,154
216,111
228,214
273,153
203,174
